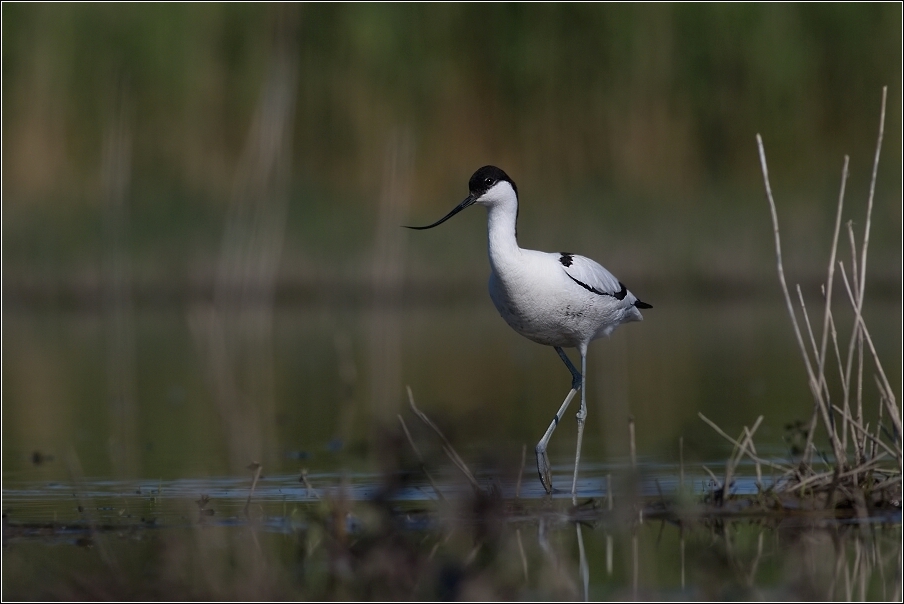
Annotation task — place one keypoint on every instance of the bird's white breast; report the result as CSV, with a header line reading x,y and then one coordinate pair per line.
x,y
537,298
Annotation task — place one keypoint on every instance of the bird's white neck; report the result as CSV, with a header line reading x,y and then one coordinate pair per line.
x,y
502,231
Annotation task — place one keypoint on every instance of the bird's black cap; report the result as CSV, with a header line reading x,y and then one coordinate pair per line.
x,y
487,176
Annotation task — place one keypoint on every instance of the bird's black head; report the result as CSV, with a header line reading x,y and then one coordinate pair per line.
x,y
481,182
484,179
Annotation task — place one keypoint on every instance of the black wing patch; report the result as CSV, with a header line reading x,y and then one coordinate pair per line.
x,y
566,259
619,295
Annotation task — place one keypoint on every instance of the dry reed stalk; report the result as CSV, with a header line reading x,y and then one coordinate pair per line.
x,y
741,447
523,555
851,411
309,489
853,341
447,446
256,468
803,310
809,480
756,461
729,467
872,464
750,454
872,195
888,392
635,572
582,557
610,503
856,343
472,555
235,333
632,443
864,432
387,273
117,303
830,278
814,383
520,474
420,459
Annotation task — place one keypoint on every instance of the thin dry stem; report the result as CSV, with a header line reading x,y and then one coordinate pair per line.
x,y
582,557
810,480
256,468
309,489
803,307
861,443
447,446
889,403
420,459
893,409
872,194
518,486
872,464
814,383
821,375
523,556
830,279
844,385
863,431
749,442
632,443
739,450
750,454
856,337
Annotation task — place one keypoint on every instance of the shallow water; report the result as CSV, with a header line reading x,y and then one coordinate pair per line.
x,y
154,398
114,431
525,547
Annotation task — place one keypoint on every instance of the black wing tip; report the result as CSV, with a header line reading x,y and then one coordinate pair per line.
x,y
639,304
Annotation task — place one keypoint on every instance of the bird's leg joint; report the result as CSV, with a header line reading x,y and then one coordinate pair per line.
x,y
577,381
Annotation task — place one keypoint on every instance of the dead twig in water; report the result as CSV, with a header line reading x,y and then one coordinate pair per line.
x,y
256,468
632,443
420,459
447,446
750,454
814,383
303,478
521,473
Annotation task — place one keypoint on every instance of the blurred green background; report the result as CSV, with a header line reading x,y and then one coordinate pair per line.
x,y
202,263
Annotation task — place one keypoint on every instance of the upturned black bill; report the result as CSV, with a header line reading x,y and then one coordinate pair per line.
x,y
469,200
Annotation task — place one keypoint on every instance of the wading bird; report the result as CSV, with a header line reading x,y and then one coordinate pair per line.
x,y
561,300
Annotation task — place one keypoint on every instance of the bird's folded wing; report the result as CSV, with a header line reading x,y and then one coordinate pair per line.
x,y
593,277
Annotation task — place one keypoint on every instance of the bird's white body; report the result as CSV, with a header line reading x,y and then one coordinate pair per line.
x,y
539,296
535,296
560,300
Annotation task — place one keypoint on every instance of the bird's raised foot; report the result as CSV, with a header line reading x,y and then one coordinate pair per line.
x,y
545,469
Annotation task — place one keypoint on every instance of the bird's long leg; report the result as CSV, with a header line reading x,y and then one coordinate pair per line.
x,y
542,458
582,415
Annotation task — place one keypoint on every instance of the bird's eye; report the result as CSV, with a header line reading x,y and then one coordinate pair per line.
x,y
488,181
